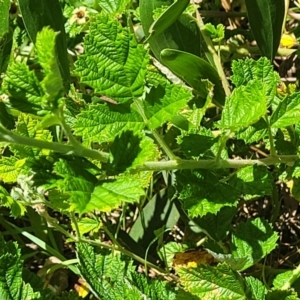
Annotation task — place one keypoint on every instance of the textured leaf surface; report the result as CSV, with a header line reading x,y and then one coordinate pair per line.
x,y
163,103
203,144
111,194
52,82
258,290
4,17
287,112
254,133
12,286
101,123
37,14
113,64
27,127
17,209
253,181
249,69
203,193
10,168
282,295
24,90
129,151
217,225
282,281
107,275
253,239
114,6
76,186
245,106
208,282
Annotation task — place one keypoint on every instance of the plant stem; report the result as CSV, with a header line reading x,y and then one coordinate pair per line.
x,y
74,221
182,164
223,140
130,254
164,146
156,135
212,50
272,146
12,138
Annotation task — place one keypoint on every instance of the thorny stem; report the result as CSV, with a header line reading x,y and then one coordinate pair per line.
x,y
173,164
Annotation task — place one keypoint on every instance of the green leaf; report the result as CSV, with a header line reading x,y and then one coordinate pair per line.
x,y
261,69
202,193
193,69
285,280
258,290
12,286
163,103
266,18
5,49
153,289
37,14
208,282
253,239
167,18
201,145
287,112
16,208
253,181
113,64
110,194
217,225
100,270
52,83
4,17
102,123
24,90
254,133
87,225
182,35
282,295
113,6
6,119
111,277
77,184
27,127
129,151
245,106
10,168
215,33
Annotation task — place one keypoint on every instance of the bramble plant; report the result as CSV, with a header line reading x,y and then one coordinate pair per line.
x,y
135,143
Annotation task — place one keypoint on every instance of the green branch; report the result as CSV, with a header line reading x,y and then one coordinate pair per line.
x,y
213,53
175,164
182,164
12,138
